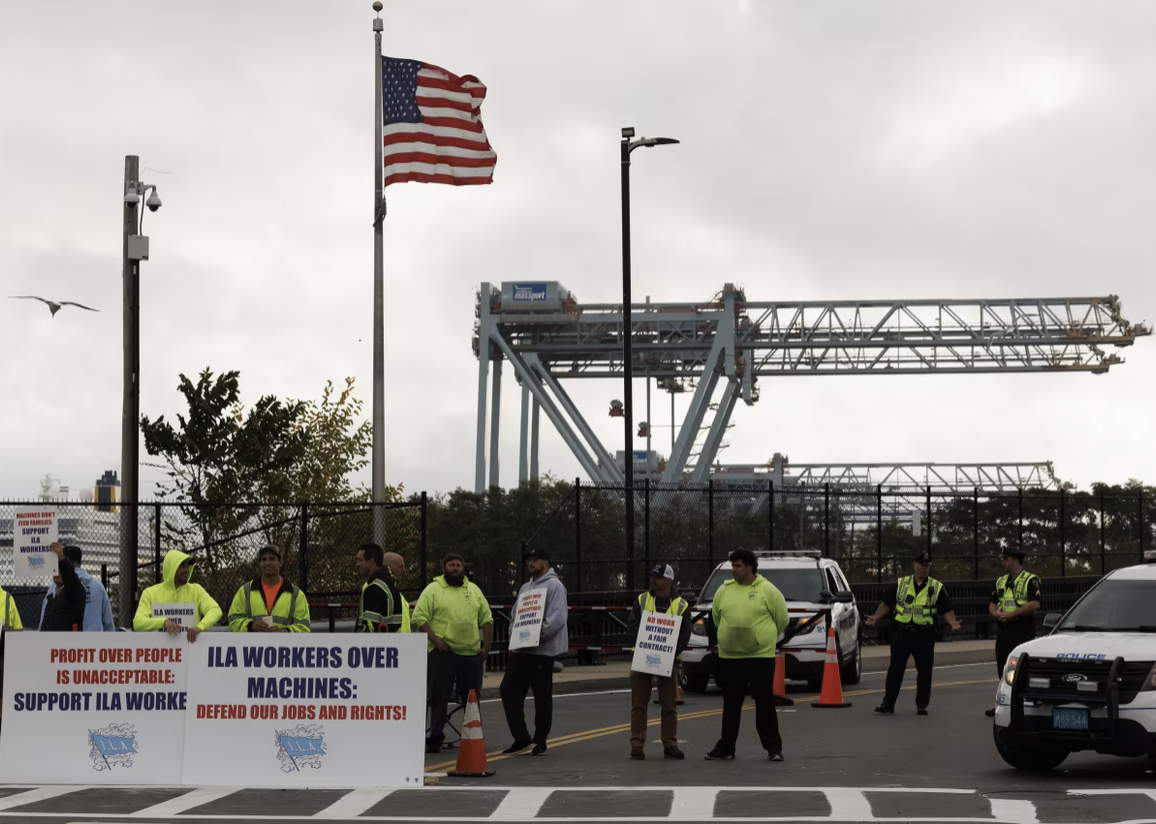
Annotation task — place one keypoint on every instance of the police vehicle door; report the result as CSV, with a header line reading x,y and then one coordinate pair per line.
x,y
842,615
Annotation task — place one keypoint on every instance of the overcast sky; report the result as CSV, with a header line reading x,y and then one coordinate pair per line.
x,y
829,150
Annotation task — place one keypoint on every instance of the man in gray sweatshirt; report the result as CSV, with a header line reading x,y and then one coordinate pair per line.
x,y
532,668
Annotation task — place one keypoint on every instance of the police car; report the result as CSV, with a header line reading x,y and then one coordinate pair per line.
x,y
807,582
1090,684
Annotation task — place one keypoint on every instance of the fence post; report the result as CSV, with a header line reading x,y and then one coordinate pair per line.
x,y
929,519
1103,542
975,528
424,543
879,533
157,542
578,529
1063,549
1140,541
303,554
1021,538
710,518
827,519
104,575
771,516
646,523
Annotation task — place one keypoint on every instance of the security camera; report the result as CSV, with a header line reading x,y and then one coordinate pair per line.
x,y
154,202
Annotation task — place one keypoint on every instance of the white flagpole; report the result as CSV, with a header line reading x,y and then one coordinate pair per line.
x,y
378,297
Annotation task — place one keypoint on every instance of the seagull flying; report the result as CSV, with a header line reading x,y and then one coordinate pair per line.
x,y
53,306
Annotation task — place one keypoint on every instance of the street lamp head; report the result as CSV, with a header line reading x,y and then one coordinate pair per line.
x,y
627,132
154,201
662,141
131,197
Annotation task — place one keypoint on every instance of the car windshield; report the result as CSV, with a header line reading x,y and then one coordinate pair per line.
x,y
1114,606
798,584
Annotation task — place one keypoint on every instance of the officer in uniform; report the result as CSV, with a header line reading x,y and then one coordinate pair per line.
x,y
918,601
1013,604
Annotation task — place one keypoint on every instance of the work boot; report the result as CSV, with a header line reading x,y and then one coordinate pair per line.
x,y
673,752
921,710
885,709
718,754
539,749
775,756
517,746
637,753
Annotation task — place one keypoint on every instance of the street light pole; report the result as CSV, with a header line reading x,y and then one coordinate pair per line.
x,y
628,145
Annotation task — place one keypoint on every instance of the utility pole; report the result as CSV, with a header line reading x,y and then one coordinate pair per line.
x,y
378,296
130,405
627,362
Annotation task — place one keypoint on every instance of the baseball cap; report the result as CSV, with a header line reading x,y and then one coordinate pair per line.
x,y
540,554
662,571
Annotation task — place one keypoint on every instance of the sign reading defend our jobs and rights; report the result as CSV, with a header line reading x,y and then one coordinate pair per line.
x,y
526,623
33,532
306,710
93,708
657,640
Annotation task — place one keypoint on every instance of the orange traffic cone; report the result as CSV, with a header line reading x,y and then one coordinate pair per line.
x,y
677,694
832,694
780,690
472,747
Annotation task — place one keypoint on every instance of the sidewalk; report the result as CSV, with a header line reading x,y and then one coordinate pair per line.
x,y
616,675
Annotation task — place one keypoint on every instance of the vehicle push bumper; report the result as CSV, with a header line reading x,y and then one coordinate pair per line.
x,y
1077,705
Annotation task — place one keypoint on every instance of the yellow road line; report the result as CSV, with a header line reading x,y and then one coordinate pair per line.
x,y
587,735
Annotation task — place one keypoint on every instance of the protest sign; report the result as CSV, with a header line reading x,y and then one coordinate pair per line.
x,y
93,708
33,532
184,614
657,639
526,623
307,710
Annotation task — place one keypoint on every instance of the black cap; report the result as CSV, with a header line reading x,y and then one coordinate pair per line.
x,y
1012,552
922,558
270,548
540,554
73,554
662,571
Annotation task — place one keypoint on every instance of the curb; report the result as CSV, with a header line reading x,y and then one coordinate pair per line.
x,y
872,664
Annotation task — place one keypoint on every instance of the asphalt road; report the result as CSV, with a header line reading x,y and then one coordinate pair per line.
x,y
842,765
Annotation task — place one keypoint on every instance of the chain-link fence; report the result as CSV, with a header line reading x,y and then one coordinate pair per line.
x,y
318,542
873,532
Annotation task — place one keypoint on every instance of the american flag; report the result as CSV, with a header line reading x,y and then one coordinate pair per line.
x,y
432,126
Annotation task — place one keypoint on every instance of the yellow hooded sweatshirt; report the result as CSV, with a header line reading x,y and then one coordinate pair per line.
x,y
167,592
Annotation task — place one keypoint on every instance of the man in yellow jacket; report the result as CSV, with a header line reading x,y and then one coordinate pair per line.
x,y
269,603
456,618
749,613
11,615
174,595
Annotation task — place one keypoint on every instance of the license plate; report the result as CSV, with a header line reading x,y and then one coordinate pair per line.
x,y
1068,719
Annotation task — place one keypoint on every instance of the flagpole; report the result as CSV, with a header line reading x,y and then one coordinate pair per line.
x,y
378,296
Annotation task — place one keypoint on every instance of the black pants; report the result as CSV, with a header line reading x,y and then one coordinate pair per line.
x,y
911,643
1009,639
534,673
447,670
738,676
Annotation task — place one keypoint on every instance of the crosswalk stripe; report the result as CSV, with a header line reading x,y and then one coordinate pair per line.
x,y
521,802
188,801
354,803
848,804
693,803
38,794
1013,810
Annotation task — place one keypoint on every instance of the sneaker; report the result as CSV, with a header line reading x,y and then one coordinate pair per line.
x,y
673,752
775,756
539,749
638,753
883,709
990,713
517,746
921,710
719,755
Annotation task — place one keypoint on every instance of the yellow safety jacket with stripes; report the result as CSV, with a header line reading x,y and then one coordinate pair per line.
x,y
395,616
290,608
1016,595
12,621
921,610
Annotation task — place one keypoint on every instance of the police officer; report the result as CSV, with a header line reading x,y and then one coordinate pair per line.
x,y
918,601
269,603
1013,605
381,608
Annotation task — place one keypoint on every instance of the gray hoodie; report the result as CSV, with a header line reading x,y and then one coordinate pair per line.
x,y
554,640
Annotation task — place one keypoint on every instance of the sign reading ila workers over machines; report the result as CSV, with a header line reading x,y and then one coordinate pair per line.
x,y
526,624
307,710
657,639
183,614
33,532
93,708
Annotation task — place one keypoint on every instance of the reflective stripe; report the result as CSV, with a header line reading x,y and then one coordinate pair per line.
x,y
374,617
677,605
1015,596
922,609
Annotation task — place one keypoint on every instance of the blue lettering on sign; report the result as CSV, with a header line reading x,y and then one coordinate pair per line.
x,y
1091,656
529,291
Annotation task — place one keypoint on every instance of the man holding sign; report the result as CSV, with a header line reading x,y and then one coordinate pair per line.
x,y
64,612
660,633
175,605
537,636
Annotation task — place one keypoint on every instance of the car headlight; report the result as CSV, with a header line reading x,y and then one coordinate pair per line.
x,y
699,628
1009,671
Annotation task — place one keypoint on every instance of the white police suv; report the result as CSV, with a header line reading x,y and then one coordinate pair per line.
x,y
1090,684
807,582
